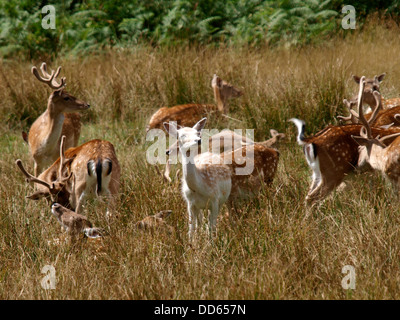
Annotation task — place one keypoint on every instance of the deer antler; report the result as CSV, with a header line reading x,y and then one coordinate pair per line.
x,y
49,79
360,115
351,116
30,178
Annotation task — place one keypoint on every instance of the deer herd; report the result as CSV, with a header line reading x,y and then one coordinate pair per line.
x,y
67,174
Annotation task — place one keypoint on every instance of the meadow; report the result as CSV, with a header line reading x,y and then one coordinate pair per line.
x,y
277,249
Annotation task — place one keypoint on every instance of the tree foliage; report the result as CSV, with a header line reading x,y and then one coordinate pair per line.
x,y
87,25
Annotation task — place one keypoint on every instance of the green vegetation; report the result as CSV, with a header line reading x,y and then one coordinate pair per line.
x,y
89,26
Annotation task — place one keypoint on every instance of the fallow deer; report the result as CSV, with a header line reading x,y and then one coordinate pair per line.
x,y
226,141
332,154
156,222
45,133
206,181
383,117
87,170
371,85
75,223
208,177
381,157
188,114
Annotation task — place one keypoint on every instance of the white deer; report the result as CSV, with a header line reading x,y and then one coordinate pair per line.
x,y
206,181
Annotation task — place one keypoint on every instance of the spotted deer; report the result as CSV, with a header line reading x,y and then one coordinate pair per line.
x,y
91,169
226,141
382,117
60,118
156,222
75,223
371,85
215,179
188,114
332,153
380,156
206,181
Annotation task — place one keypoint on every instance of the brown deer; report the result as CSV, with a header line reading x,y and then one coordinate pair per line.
x,y
75,223
156,222
45,133
188,114
381,157
383,117
84,171
332,154
371,85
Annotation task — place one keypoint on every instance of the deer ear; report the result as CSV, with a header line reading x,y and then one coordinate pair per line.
x,y
200,125
273,132
380,77
38,195
70,183
356,79
171,128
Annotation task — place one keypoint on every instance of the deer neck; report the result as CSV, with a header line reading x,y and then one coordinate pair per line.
x,y
378,158
189,171
54,120
220,100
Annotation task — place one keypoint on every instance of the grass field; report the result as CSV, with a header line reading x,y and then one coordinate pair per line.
x,y
274,251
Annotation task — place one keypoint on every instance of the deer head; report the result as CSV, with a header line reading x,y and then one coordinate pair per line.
x,y
369,145
53,184
224,91
60,99
371,85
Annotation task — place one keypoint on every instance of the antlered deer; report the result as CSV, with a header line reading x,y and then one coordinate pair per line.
x,y
89,169
45,133
332,153
371,85
381,157
188,114
382,117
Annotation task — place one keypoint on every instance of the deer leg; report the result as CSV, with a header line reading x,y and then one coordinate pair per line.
x,y
320,192
193,215
214,209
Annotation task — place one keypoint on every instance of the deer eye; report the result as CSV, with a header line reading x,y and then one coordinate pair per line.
x,y
66,98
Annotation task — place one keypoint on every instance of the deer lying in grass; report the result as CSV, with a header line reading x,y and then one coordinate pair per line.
x,y
188,114
371,85
214,179
45,133
74,223
80,172
156,222
332,154
226,141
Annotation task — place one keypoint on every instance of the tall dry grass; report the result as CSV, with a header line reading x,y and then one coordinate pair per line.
x,y
273,251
